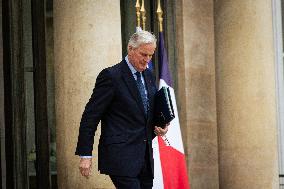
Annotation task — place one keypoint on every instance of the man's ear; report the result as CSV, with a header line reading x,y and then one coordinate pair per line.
x,y
129,47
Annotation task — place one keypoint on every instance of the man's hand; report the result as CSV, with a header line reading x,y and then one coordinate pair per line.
x,y
160,131
85,167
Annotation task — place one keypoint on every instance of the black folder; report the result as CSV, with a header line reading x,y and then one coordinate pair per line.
x,y
164,111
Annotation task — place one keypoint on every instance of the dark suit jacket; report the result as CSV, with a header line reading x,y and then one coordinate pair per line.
x,y
125,129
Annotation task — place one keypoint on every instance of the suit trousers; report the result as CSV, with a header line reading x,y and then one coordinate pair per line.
x,y
143,181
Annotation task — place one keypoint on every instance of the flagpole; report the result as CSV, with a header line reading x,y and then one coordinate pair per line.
x,y
137,6
160,18
143,13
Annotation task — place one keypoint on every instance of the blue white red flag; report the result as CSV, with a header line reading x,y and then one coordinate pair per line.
x,y
170,166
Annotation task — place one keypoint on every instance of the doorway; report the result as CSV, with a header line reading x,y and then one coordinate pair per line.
x,y
28,153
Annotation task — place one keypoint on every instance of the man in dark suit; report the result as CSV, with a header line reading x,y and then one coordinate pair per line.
x,y
123,100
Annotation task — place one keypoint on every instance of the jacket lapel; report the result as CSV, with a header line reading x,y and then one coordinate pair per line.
x,y
131,84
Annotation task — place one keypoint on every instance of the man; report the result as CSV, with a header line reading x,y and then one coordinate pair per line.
x,y
123,100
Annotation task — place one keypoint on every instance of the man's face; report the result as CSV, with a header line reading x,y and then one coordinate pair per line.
x,y
141,56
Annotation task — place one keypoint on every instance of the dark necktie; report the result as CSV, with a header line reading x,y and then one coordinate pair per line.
x,y
142,91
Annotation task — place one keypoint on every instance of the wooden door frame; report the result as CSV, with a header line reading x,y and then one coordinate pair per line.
x,y
2,120
40,94
14,101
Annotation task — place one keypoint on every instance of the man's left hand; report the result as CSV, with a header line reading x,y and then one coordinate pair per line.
x,y
161,131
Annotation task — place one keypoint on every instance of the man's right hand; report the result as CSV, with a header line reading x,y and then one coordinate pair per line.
x,y
85,167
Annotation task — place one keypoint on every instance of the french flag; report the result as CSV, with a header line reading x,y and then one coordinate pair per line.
x,y
170,166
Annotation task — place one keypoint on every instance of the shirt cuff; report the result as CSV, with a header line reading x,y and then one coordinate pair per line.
x,y
86,156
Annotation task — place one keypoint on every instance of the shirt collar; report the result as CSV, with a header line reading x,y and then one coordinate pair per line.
x,y
131,67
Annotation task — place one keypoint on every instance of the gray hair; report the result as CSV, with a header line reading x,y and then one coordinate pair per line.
x,y
141,37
